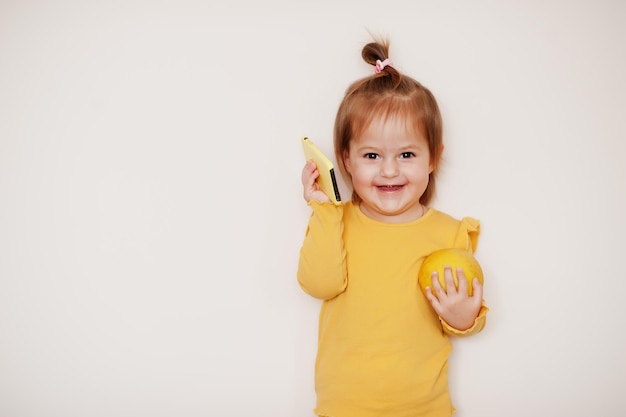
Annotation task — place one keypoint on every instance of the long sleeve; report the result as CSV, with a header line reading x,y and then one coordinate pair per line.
x,y
322,271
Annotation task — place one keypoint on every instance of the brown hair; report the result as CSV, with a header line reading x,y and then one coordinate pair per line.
x,y
388,94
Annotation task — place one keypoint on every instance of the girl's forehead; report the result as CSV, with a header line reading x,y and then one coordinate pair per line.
x,y
389,114
391,122
389,129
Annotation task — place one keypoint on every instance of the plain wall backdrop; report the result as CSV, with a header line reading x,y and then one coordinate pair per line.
x,y
151,210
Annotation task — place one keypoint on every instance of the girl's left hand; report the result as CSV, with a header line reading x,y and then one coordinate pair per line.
x,y
455,305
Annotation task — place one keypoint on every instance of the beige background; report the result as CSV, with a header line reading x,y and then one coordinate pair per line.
x,y
151,210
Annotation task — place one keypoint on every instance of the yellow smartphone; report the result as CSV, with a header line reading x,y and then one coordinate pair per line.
x,y
327,180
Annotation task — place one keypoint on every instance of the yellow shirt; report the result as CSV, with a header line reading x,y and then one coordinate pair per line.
x,y
382,350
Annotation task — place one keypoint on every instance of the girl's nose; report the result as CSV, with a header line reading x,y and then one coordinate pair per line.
x,y
389,168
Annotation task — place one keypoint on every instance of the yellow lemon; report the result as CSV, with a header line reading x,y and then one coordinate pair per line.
x,y
455,258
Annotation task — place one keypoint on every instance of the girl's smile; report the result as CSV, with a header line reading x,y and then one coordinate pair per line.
x,y
387,188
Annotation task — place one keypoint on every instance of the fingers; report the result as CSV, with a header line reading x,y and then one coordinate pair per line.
x,y
477,289
434,301
309,174
436,286
463,285
462,281
449,278
312,190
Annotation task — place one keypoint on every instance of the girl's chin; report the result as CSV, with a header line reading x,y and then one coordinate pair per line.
x,y
399,212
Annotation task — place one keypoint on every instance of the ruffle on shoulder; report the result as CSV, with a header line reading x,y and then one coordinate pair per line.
x,y
467,236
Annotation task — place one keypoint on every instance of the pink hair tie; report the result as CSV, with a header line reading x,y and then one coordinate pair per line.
x,y
381,65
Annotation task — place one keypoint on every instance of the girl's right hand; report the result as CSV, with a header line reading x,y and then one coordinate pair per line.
x,y
312,190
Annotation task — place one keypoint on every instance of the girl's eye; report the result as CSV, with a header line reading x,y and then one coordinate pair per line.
x,y
371,155
407,155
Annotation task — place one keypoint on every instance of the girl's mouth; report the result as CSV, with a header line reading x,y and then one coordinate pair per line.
x,y
387,188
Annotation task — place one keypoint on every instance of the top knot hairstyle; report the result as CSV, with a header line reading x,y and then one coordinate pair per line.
x,y
388,94
375,53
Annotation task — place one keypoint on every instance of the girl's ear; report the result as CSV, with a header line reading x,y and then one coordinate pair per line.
x,y
346,161
433,164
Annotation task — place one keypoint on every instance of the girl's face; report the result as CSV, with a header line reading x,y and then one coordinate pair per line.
x,y
389,164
